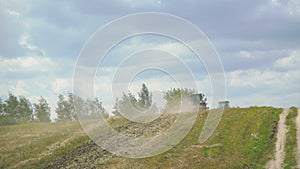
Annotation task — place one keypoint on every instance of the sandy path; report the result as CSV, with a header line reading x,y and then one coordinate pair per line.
x,y
298,138
277,162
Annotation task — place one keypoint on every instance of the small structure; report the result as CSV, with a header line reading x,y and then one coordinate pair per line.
x,y
224,104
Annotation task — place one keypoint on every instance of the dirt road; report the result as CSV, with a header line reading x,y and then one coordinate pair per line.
x,y
277,162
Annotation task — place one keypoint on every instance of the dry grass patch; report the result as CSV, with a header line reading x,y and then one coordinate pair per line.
x,y
29,143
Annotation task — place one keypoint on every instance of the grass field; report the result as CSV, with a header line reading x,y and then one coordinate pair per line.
x,y
291,141
33,145
244,138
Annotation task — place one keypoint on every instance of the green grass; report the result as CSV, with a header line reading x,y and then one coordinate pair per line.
x,y
26,145
247,136
43,162
291,140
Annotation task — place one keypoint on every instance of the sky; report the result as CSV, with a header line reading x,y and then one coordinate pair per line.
x,y
258,43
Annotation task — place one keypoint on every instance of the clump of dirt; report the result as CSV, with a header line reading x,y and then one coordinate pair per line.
x,y
90,155
136,130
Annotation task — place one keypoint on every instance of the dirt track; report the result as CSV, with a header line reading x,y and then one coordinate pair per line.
x,y
277,162
91,155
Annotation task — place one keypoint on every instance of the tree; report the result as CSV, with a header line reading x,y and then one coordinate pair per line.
x,y
177,96
42,110
131,106
95,108
71,101
63,109
127,106
145,98
25,110
87,108
11,107
79,106
1,107
173,96
4,118
16,110
115,110
59,110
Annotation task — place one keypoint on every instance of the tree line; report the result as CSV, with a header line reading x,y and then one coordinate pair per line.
x,y
130,103
16,110
20,110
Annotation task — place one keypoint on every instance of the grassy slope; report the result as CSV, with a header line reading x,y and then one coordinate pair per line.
x,y
246,135
35,144
291,140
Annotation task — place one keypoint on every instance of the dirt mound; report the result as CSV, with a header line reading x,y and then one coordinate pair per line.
x,y
88,155
91,155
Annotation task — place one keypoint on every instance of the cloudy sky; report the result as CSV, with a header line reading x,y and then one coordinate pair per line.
x,y
258,43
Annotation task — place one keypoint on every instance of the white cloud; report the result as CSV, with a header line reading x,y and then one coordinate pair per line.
x,y
26,64
291,6
24,41
294,7
290,62
20,88
153,42
62,85
263,87
254,78
13,12
34,27
260,99
245,54
41,84
275,2
175,48
145,3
